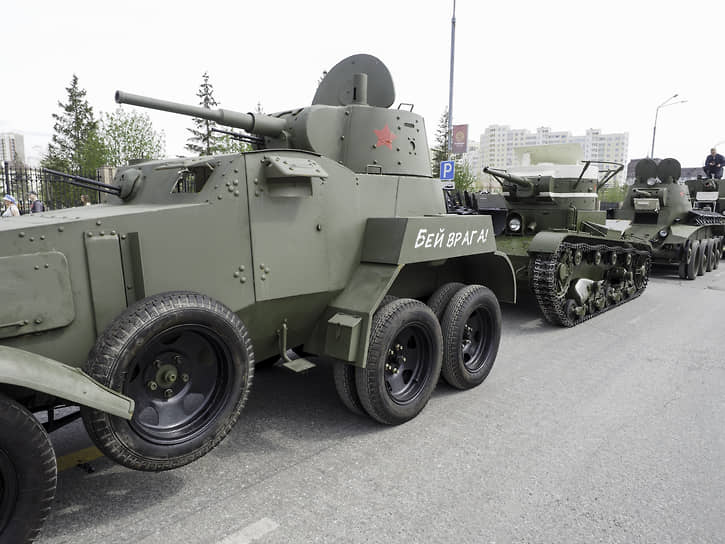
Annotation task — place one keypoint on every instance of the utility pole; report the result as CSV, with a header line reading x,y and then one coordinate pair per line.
x,y
450,88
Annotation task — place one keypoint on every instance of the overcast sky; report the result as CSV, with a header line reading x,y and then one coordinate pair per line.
x,y
568,65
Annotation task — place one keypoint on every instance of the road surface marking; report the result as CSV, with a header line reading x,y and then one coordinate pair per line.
x,y
78,457
252,532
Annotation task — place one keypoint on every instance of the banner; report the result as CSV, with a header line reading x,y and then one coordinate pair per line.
x,y
460,139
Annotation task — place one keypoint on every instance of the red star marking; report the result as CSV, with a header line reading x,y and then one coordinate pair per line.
x,y
385,137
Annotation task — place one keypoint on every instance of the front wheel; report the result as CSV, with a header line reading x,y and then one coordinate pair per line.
x,y
187,362
403,364
28,474
472,333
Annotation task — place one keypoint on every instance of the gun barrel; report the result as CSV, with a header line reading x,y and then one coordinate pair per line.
x,y
518,180
264,125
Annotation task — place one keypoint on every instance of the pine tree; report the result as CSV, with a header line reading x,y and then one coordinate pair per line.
x,y
203,140
76,145
440,151
463,177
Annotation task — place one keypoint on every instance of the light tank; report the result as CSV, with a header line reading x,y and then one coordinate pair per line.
x,y
659,210
149,311
548,222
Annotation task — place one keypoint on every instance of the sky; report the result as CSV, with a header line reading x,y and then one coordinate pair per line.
x,y
568,65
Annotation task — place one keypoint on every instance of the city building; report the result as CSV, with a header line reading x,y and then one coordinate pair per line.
x,y
498,143
12,147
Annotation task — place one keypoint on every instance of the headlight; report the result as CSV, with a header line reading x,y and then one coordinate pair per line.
x,y
663,233
514,224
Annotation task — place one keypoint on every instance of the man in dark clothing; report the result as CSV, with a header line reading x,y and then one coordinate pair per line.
x,y
713,164
35,204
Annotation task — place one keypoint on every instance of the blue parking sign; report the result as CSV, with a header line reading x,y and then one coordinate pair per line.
x,y
447,170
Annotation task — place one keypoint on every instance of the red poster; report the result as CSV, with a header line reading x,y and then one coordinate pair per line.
x,y
460,139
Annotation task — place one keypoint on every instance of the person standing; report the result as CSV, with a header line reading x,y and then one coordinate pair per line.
x,y
36,205
713,164
11,206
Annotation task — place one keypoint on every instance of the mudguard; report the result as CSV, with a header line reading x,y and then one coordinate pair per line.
x,y
26,369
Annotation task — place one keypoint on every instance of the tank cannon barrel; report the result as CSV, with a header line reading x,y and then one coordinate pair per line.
x,y
264,125
516,180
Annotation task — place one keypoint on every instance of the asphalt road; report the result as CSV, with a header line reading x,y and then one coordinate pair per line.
x,y
608,432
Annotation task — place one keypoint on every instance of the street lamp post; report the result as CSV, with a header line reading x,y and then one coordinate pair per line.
x,y
657,111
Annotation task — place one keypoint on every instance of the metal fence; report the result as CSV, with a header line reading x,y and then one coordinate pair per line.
x,y
53,190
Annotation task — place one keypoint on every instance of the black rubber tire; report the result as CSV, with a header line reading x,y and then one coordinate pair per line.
x,y
692,263
711,255
344,375
701,258
28,474
474,307
413,323
442,296
215,362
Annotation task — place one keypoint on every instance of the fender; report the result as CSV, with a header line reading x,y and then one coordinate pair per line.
x,y
32,371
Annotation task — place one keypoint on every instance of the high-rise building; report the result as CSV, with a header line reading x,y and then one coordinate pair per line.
x,y
499,141
12,147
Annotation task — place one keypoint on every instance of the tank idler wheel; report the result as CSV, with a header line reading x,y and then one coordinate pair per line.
x,y
439,300
187,362
28,474
701,257
692,259
471,335
403,364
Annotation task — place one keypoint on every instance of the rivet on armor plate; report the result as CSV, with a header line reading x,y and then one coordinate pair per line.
x,y
256,193
113,233
42,237
241,268
263,277
319,227
267,269
236,274
32,238
60,229
101,233
236,170
46,265
22,235
98,222
123,237
243,280
230,189
36,267
261,266
90,234
38,321
235,182
236,193
219,197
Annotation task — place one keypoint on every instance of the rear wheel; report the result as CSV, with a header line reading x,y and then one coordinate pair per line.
x,y
472,333
403,364
707,255
187,362
27,474
442,296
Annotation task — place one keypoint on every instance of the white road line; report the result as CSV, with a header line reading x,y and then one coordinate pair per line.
x,y
252,532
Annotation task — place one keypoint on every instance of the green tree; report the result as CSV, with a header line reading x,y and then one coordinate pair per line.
x,y
440,151
463,177
203,140
76,144
130,135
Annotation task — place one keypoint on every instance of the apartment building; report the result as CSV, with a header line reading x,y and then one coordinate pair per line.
x,y
12,147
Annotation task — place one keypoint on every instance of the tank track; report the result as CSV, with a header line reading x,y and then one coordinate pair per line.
x,y
553,275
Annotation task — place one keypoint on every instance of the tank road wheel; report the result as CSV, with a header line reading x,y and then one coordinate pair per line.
x,y
700,263
692,263
716,253
403,364
471,332
685,260
709,255
27,473
442,296
187,362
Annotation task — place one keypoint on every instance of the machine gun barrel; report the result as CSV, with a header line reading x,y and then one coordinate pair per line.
x,y
516,180
264,125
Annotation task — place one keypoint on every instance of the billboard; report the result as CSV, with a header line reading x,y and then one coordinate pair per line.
x,y
459,143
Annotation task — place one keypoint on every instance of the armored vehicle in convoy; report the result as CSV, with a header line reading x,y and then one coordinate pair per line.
x,y
148,311
660,211
548,222
707,194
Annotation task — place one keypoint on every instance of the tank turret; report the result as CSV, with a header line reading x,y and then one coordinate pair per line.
x,y
350,121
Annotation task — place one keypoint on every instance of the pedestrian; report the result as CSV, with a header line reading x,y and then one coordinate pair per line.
x,y
713,164
85,201
36,205
11,206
